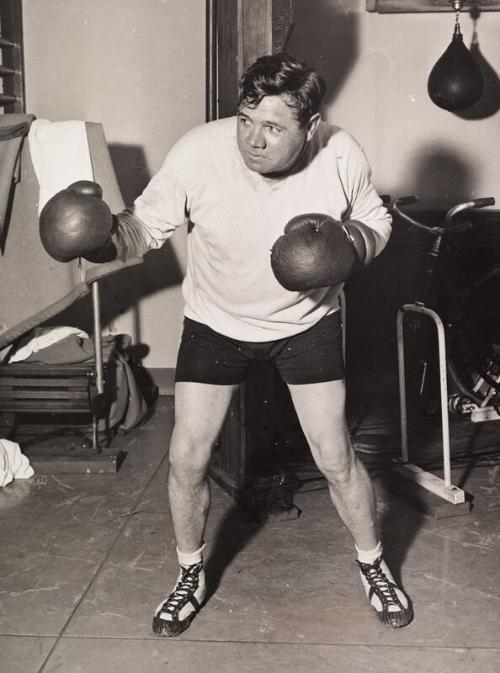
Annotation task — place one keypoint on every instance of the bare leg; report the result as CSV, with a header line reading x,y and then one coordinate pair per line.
x,y
199,413
321,411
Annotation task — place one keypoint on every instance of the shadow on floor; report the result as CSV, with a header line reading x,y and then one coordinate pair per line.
x,y
234,533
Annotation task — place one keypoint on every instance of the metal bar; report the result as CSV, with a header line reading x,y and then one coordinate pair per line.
x,y
99,369
95,435
402,386
430,480
96,309
443,386
343,314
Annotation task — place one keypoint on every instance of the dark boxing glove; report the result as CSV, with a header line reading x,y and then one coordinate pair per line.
x,y
76,222
317,251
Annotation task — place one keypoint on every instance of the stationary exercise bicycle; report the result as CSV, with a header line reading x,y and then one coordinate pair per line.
x,y
466,315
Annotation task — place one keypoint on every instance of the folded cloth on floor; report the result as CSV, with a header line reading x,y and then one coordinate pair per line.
x,y
60,155
13,464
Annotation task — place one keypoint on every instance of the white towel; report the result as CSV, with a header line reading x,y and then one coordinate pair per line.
x,y
42,337
60,155
13,464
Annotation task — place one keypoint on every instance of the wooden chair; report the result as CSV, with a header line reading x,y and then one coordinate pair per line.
x,y
56,391
35,289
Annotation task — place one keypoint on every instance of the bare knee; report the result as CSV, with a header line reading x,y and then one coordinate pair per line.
x,y
189,455
335,459
337,471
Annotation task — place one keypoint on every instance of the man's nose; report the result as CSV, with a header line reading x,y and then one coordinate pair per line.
x,y
256,138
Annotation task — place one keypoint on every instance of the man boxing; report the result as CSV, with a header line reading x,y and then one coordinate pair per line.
x,y
237,182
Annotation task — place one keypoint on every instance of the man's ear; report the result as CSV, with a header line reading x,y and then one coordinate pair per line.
x,y
312,125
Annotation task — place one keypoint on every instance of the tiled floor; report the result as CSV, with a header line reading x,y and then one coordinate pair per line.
x,y
85,558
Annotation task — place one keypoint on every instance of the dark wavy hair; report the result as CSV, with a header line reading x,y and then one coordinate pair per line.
x,y
283,75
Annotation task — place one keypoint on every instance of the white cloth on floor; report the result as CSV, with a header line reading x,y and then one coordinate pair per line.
x,y
42,337
60,155
13,464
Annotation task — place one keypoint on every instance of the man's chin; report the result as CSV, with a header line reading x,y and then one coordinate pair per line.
x,y
263,168
256,165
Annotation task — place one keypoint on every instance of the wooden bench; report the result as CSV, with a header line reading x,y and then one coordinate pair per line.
x,y
54,393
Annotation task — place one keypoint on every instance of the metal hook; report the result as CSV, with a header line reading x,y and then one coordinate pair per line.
x,y
457,6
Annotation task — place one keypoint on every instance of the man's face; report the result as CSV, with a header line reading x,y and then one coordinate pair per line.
x,y
270,138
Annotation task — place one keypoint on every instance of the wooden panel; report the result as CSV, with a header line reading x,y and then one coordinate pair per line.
x,y
283,18
211,60
11,28
52,407
402,6
44,394
256,31
13,381
246,442
229,453
227,57
245,29
40,369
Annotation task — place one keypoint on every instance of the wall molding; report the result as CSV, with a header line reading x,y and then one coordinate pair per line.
x,y
410,6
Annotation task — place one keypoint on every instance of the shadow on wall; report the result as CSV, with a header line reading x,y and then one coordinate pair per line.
x,y
489,103
124,290
132,173
442,177
326,37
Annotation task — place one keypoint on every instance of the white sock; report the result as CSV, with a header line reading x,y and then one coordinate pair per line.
x,y
191,557
371,555
186,559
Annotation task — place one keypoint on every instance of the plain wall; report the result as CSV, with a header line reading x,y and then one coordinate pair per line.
x,y
377,67
138,67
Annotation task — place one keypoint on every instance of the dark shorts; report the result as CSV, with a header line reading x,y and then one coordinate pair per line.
x,y
313,356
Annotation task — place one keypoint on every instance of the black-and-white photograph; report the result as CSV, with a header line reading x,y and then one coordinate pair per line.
x,y
249,336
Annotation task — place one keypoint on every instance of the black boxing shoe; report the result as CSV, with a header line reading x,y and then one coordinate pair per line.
x,y
175,614
389,601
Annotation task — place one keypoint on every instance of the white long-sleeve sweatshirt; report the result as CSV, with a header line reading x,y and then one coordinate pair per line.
x,y
234,215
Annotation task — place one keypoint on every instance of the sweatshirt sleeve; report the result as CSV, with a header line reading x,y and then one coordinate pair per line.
x,y
160,209
365,205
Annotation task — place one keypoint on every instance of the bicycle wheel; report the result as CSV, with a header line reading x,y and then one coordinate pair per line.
x,y
474,341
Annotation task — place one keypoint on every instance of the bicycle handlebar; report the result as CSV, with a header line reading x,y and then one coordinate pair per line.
x,y
406,200
460,207
481,203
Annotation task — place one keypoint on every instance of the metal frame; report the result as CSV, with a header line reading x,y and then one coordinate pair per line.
x,y
98,358
441,487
